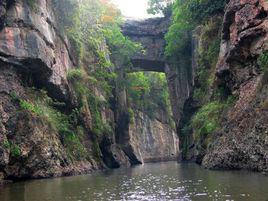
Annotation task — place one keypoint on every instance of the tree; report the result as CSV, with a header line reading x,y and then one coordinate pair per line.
x,y
158,6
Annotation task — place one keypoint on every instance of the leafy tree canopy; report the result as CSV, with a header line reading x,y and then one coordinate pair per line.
x,y
158,6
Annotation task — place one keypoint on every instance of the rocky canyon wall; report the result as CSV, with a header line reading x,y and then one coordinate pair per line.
x,y
151,140
240,140
35,59
241,143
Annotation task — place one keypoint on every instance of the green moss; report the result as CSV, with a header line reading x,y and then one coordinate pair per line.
x,y
206,120
263,61
6,144
148,92
77,74
208,52
72,142
186,16
26,105
15,150
96,105
96,151
131,115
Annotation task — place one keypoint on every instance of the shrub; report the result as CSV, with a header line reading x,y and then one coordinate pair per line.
x,y
186,16
15,150
148,92
206,120
96,105
77,74
26,105
6,144
73,145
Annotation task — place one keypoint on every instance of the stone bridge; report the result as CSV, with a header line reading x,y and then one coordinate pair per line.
x,y
150,33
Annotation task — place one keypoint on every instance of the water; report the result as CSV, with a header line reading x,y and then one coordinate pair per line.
x,y
162,181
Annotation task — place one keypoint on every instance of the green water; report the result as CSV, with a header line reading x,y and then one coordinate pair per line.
x,y
159,181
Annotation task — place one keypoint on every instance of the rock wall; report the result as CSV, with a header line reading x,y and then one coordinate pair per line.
x,y
35,54
31,40
151,140
241,142
30,147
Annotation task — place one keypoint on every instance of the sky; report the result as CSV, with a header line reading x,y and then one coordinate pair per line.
x,y
133,8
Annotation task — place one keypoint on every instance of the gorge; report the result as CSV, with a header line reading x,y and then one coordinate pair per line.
x,y
81,90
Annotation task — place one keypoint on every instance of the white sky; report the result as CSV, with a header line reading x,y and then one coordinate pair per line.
x,y
133,8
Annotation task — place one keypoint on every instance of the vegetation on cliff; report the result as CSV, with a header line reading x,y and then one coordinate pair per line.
x,y
202,20
97,37
148,92
187,15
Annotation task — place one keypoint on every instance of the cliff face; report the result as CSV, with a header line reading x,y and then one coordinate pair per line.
x,y
239,138
151,140
35,58
242,140
31,39
33,53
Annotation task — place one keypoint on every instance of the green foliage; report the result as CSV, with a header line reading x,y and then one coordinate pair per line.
x,y
186,16
6,144
96,150
75,74
14,149
99,127
82,84
67,125
206,120
148,92
26,105
97,36
75,149
158,6
131,115
121,48
207,58
80,81
137,88
263,61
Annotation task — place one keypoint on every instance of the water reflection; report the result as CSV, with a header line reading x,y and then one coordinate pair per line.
x,y
163,181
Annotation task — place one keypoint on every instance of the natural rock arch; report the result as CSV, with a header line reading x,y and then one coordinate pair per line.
x,y
150,33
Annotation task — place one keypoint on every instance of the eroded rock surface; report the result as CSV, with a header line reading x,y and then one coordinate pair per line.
x,y
152,140
242,141
35,53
